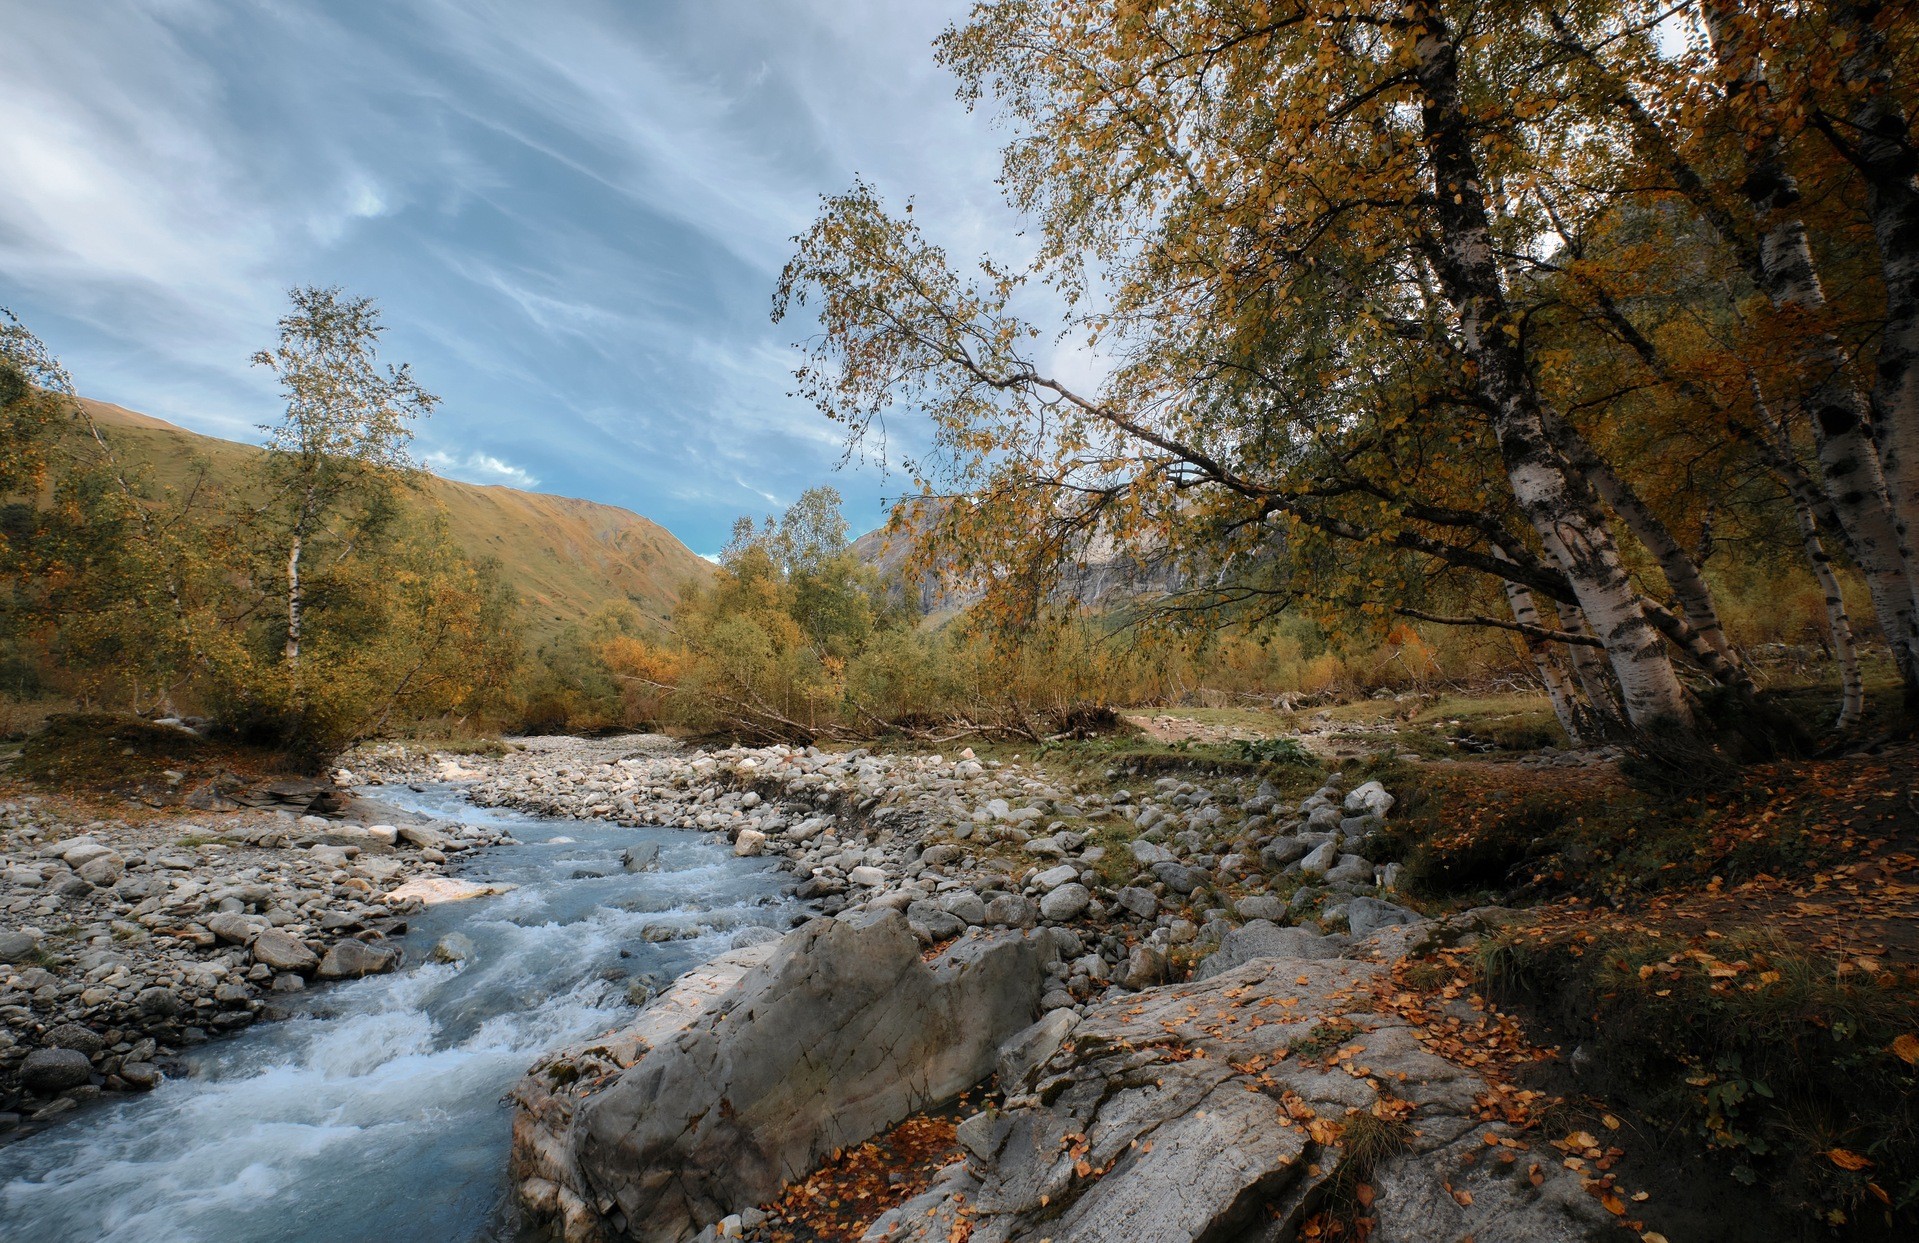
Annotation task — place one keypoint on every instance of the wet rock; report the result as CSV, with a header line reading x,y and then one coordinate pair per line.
x,y
641,857
453,947
48,1071
283,951
351,959
753,934
750,842
140,1076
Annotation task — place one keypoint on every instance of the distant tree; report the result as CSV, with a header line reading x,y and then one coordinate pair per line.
x,y
347,425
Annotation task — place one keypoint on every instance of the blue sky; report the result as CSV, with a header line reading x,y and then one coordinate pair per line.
x,y
572,213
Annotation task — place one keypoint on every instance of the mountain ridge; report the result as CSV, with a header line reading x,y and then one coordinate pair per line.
x,y
564,556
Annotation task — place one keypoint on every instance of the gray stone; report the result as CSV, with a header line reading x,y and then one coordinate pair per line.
x,y
350,959
47,1071
1065,902
1145,967
1149,853
1262,906
74,1036
284,952
641,857
1261,939
1369,798
966,905
453,947
231,927
1365,916
18,947
1011,910
1320,859
1284,850
140,1076
1027,1051
843,1032
103,872
159,1002
1323,820
1141,902
934,923
1192,1148
1350,870
1178,877
1052,878
752,934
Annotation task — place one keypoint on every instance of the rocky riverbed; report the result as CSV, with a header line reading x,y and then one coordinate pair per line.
x,y
126,940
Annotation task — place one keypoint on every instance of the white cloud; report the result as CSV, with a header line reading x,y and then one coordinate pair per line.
x,y
478,467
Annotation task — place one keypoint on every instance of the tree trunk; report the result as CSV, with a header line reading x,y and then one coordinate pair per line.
x,y
1880,142
294,601
1848,460
1574,532
1559,686
1595,676
1681,570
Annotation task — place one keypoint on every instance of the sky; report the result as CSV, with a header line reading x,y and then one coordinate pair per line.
x,y
572,213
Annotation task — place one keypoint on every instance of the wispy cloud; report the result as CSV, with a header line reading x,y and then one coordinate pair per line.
x,y
478,467
571,213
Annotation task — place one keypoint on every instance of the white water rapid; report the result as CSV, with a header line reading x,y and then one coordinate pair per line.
x,y
374,1111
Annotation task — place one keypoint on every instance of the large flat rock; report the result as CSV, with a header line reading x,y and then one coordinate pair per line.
x,y
838,1032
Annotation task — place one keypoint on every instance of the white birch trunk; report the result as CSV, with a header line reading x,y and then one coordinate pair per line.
x,y
1849,462
1552,675
1574,532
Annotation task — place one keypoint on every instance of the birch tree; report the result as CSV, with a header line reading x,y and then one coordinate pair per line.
x,y
347,425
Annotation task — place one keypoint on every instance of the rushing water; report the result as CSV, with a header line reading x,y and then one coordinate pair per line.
x,y
374,1113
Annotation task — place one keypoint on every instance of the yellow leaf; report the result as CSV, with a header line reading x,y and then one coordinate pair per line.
x,y
1847,1160
1906,1049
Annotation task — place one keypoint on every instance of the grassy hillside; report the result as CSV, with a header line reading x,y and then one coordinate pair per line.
x,y
564,556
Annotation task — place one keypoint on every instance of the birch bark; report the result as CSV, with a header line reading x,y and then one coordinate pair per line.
x,y
1575,533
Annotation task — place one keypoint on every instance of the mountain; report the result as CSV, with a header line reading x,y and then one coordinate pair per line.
x,y
564,556
1103,576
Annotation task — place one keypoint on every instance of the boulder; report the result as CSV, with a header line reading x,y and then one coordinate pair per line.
x,y
843,1032
1262,906
1365,916
48,1071
750,842
74,1036
1242,1141
1369,799
1141,902
1149,853
1178,877
1145,967
1320,859
1261,939
1052,878
350,959
1028,1051
453,947
1011,910
641,857
17,946
283,951
1065,902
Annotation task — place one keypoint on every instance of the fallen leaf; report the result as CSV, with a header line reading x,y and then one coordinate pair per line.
x,y
1906,1049
1464,1197
1847,1160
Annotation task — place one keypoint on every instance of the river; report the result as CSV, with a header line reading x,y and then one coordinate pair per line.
x,y
374,1111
